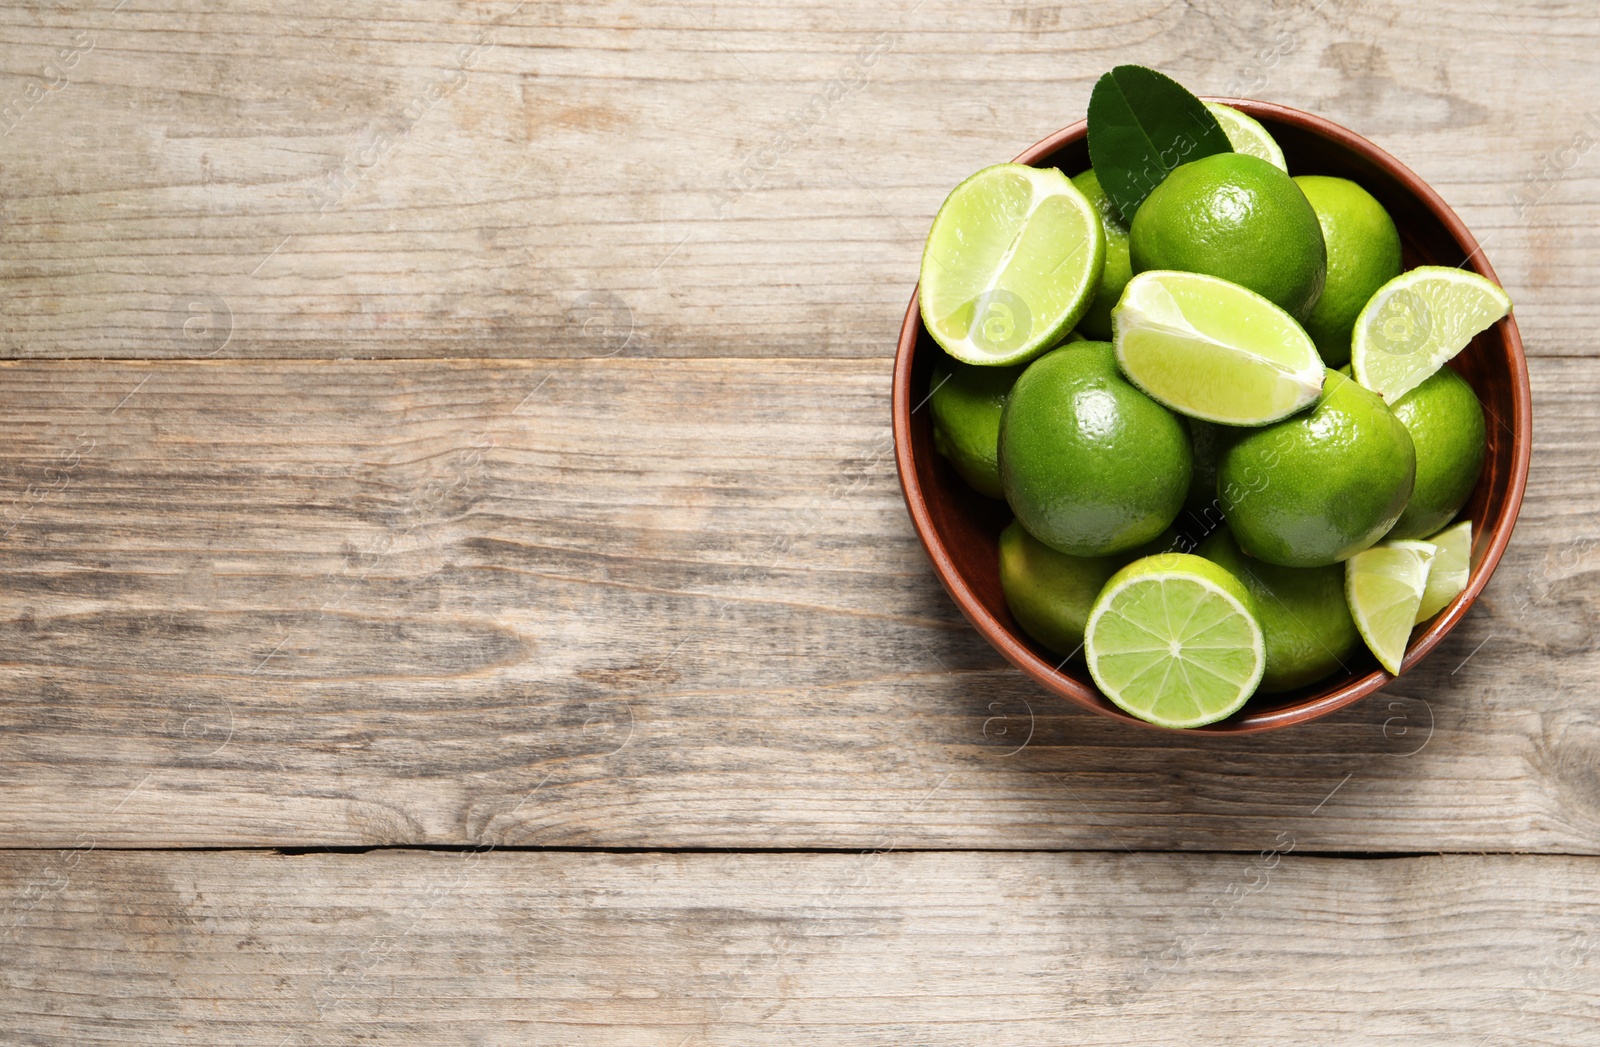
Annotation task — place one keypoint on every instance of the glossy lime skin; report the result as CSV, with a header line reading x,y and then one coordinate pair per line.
x,y
1446,424
1305,621
1363,255
1088,463
1050,593
1239,218
1317,488
1096,323
966,402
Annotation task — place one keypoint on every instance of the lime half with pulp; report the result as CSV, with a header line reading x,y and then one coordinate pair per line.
x,y
1384,587
1214,350
1012,261
1417,321
1173,639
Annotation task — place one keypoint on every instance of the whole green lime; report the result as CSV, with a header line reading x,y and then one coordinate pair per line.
x,y
1050,593
1321,486
1239,218
1445,421
1304,618
1363,255
1096,323
966,401
1089,464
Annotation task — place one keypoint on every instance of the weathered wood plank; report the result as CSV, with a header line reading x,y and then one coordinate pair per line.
x,y
856,949
589,179
627,603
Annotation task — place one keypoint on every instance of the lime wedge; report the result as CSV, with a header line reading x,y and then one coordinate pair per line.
x,y
1384,587
1247,136
1173,639
1451,565
1417,321
1012,261
1213,350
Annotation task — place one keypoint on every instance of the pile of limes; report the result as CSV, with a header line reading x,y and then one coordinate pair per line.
x,y
1225,428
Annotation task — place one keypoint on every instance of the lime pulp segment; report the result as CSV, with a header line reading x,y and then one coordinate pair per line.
x,y
1012,261
1384,586
1175,644
1213,350
1416,322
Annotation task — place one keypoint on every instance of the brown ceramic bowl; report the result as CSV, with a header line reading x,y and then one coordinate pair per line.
x,y
960,528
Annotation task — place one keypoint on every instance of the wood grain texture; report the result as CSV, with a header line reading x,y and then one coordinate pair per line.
x,y
601,547
542,179
853,950
642,604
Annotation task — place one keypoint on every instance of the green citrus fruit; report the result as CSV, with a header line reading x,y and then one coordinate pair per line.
x,y
1089,464
1096,323
1363,255
1012,261
1446,425
966,402
1321,486
1050,593
1210,349
1418,321
1173,639
1450,571
1305,621
1384,586
1246,135
1239,218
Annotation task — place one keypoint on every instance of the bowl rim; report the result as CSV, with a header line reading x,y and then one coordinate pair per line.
x,y
1351,690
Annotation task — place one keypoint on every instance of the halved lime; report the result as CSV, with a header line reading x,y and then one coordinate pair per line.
x,y
1173,639
1012,262
1451,566
1384,587
1247,136
1417,321
1213,350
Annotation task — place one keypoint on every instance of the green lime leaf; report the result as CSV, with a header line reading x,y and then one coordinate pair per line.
x,y
1143,124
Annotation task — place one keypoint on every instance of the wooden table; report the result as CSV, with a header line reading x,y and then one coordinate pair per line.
x,y
454,586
